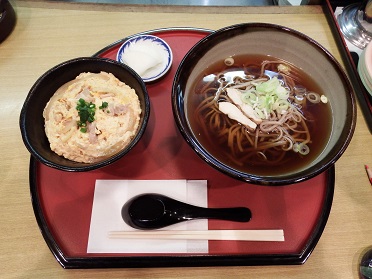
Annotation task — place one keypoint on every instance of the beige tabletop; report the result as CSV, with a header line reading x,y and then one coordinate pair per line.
x,y
48,33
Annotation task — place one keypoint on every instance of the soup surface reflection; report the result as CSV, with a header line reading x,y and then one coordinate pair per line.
x,y
259,114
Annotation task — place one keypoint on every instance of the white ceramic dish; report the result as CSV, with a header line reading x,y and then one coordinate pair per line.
x,y
149,56
365,68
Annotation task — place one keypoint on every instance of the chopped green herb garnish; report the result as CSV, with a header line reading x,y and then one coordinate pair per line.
x,y
104,105
86,113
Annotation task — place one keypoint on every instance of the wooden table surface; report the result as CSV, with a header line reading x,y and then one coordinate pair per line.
x,y
48,33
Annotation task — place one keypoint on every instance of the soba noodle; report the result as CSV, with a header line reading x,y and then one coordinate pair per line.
x,y
280,119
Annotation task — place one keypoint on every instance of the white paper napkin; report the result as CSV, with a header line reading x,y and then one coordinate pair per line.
x,y
110,196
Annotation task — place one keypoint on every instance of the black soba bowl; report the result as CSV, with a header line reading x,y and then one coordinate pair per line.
x,y
291,148
32,121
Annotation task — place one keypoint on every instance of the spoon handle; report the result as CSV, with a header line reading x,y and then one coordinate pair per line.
x,y
237,214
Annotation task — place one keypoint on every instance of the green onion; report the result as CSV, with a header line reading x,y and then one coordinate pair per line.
x,y
267,97
323,99
301,148
86,112
104,105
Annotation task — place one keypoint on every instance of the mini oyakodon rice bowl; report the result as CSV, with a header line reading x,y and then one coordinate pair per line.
x,y
92,117
264,104
84,114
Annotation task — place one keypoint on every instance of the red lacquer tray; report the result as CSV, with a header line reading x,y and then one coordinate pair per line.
x,y
63,201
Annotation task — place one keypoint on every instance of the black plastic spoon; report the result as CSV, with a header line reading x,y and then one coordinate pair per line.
x,y
154,211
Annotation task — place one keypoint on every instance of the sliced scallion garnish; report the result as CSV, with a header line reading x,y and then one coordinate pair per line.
x,y
86,112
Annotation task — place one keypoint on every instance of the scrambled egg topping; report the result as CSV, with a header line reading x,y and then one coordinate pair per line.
x,y
111,126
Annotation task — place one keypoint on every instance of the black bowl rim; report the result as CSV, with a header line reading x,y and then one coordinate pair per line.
x,y
93,166
337,150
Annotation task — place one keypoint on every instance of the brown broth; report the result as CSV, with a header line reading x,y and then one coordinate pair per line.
x,y
319,129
